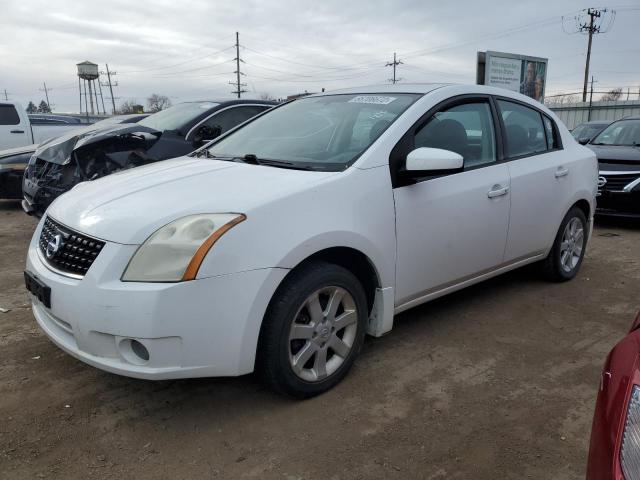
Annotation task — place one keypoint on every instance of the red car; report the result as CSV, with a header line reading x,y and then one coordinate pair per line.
x,y
614,453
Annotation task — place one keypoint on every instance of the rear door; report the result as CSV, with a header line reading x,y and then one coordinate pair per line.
x,y
13,132
540,178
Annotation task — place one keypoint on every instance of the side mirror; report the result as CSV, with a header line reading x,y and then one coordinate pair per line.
x,y
426,159
584,140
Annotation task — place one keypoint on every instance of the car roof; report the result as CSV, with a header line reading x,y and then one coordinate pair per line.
x,y
421,88
426,88
234,101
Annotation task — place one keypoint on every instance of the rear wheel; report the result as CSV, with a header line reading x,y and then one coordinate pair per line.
x,y
567,253
313,330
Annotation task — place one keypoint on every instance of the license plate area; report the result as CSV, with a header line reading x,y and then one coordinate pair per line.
x,y
38,289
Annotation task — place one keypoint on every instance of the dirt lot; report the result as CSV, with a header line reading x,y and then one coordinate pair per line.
x,y
497,381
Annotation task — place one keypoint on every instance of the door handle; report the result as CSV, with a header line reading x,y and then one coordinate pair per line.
x,y
562,172
497,191
17,131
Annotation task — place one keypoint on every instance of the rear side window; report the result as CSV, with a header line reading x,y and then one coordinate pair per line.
x,y
8,115
524,129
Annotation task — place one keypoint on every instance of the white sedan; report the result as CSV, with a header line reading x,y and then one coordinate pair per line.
x,y
280,244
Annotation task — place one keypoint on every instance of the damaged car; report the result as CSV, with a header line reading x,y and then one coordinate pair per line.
x,y
14,161
60,164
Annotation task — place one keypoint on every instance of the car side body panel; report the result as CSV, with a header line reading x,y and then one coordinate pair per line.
x,y
620,372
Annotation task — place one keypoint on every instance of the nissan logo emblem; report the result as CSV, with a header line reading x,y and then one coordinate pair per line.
x,y
53,246
601,182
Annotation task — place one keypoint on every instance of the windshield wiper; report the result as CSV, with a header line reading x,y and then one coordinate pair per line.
x,y
255,160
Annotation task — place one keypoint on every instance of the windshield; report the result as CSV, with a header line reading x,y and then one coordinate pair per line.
x,y
327,132
625,132
176,117
586,131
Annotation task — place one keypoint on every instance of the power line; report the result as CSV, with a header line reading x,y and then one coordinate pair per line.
x,y
177,64
239,90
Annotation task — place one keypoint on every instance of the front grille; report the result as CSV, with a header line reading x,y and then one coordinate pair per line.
x,y
68,250
615,183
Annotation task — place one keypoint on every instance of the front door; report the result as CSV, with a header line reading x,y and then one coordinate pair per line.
x,y
454,226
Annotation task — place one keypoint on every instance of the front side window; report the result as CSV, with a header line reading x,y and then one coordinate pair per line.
x,y
524,130
327,132
465,129
623,133
9,115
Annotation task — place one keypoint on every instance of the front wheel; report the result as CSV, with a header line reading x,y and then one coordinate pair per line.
x,y
313,330
568,249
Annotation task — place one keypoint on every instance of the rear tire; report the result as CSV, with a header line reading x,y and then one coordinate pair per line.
x,y
566,255
313,330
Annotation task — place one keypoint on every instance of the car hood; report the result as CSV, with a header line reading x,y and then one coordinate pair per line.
x,y
126,207
616,154
58,150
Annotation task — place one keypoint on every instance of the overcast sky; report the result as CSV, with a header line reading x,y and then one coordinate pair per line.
x,y
184,49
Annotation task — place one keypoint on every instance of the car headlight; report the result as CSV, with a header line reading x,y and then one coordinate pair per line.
x,y
175,252
630,450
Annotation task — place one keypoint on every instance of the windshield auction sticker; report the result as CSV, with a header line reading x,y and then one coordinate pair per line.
x,y
374,99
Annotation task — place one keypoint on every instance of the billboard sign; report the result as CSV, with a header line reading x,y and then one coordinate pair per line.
x,y
518,73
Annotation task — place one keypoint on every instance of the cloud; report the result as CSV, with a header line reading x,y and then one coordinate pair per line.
x,y
184,49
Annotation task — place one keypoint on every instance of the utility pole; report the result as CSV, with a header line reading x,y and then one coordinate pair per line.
x,y
46,94
6,97
238,91
591,27
590,100
111,85
394,64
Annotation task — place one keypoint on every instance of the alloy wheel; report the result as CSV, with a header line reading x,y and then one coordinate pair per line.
x,y
322,333
572,244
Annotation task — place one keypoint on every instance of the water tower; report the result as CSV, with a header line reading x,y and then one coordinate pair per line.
x,y
87,76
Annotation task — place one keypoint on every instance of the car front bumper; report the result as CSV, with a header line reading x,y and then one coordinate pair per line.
x,y
201,328
619,204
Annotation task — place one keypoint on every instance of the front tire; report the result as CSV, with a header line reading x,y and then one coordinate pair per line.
x,y
569,246
313,330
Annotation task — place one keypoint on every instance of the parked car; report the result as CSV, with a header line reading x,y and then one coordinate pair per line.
x,y
618,150
17,130
60,164
614,453
585,132
278,245
13,161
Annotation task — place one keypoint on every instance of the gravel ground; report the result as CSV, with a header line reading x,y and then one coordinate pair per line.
x,y
497,381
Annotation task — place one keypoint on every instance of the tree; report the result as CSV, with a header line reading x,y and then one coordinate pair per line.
x,y
130,106
43,107
156,102
31,108
612,95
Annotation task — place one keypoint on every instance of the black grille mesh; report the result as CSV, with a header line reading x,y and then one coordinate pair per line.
x,y
76,252
616,183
